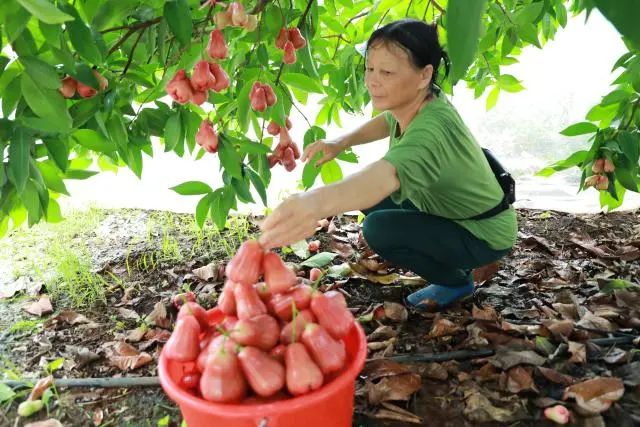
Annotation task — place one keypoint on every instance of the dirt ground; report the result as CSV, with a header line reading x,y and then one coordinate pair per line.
x,y
110,275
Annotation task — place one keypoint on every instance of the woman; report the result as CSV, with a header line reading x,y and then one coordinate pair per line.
x,y
419,197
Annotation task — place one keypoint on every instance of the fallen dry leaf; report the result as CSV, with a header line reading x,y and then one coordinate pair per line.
x,y
628,253
363,273
135,335
158,316
395,413
395,312
556,377
519,379
528,330
487,313
434,371
486,272
595,395
506,359
344,250
568,311
208,272
615,356
487,372
560,329
398,387
41,386
383,332
380,368
443,327
66,317
375,346
592,249
475,336
591,321
126,357
125,313
40,307
531,242
479,409
578,352
51,422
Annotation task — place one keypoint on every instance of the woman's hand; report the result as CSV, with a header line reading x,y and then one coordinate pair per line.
x,y
293,220
329,149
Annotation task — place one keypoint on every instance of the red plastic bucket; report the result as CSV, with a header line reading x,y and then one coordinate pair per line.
x,y
329,406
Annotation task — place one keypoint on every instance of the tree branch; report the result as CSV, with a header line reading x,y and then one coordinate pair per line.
x,y
133,49
135,26
259,7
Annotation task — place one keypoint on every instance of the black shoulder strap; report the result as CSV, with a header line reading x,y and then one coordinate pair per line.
x,y
507,183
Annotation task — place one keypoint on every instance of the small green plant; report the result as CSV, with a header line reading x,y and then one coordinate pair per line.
x,y
24,326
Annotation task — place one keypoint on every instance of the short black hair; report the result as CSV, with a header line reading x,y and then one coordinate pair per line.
x,y
419,39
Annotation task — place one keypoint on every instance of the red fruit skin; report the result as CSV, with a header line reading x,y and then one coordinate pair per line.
x,y
103,83
276,274
246,265
238,15
217,47
329,354
69,86
227,300
289,53
207,137
292,331
183,345
296,38
273,160
179,88
194,309
302,374
277,352
265,374
332,315
222,380
85,91
202,78
179,299
315,274
296,150
221,76
270,95
609,167
214,345
283,37
338,296
273,128
314,245
261,331
229,323
289,160
301,295
259,101
190,381
248,303
598,166
263,291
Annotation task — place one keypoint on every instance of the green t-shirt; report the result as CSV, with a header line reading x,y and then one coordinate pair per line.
x,y
443,171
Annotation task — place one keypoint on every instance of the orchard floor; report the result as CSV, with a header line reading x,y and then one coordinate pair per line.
x,y
110,273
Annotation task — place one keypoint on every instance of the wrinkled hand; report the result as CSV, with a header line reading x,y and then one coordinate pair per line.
x,y
293,220
329,149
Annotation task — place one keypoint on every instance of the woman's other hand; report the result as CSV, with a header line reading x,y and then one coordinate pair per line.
x,y
329,149
293,220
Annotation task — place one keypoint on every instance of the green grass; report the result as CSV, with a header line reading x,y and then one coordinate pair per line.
x,y
24,326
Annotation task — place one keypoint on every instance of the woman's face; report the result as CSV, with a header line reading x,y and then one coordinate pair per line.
x,y
392,79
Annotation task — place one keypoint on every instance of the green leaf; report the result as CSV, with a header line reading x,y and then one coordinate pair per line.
x,y
172,132
93,141
609,286
243,107
19,154
229,159
31,201
41,72
330,172
529,33
58,152
258,184
574,159
630,145
319,260
463,32
626,179
581,128
79,174
15,19
178,16
55,364
509,83
11,96
81,37
623,14
46,103
492,98
529,14
54,214
251,147
202,209
6,392
242,189
192,188
45,11
118,132
52,177
302,82
615,97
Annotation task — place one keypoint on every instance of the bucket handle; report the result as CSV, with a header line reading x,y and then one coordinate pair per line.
x,y
263,422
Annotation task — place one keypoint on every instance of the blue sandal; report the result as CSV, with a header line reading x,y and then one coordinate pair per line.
x,y
436,297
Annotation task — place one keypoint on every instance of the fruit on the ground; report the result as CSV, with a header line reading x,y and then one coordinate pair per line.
x,y
227,300
314,245
30,407
331,315
315,274
558,414
302,374
68,88
289,53
222,379
264,373
179,299
261,331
